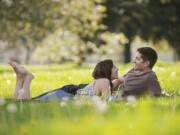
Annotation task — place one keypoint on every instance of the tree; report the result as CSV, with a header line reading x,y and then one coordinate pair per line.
x,y
165,23
27,23
126,16
150,19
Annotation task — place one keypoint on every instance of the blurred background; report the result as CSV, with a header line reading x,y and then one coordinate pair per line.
x,y
85,31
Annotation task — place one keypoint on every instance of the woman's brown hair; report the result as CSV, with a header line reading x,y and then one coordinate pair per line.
x,y
103,69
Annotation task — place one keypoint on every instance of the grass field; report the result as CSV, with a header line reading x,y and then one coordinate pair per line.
x,y
145,116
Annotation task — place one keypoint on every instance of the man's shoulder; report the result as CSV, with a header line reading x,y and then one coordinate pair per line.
x,y
152,75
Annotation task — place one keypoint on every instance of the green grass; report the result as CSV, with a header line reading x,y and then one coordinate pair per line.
x,y
147,116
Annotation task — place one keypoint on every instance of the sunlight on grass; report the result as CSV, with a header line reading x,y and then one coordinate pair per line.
x,y
145,116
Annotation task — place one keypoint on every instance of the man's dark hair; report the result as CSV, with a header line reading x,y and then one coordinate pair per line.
x,y
149,54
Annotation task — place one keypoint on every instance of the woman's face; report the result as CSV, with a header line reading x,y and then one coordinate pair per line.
x,y
114,73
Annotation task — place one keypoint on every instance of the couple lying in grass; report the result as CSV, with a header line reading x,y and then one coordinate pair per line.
x,y
138,81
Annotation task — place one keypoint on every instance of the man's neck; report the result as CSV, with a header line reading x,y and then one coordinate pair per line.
x,y
146,69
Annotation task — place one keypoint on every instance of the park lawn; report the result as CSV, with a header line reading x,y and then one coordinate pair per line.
x,y
145,116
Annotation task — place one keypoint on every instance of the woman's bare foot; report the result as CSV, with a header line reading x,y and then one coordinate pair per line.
x,y
30,76
18,68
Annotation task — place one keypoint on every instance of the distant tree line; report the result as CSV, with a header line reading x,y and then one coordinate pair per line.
x,y
28,23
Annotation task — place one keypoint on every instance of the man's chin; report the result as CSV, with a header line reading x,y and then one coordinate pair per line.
x,y
136,68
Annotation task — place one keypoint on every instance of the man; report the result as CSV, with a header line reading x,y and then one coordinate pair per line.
x,y
141,79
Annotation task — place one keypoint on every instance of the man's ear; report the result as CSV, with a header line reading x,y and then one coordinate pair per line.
x,y
147,63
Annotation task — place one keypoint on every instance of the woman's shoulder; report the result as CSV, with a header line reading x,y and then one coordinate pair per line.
x,y
103,80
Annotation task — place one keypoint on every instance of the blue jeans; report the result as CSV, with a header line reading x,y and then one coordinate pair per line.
x,y
55,95
65,91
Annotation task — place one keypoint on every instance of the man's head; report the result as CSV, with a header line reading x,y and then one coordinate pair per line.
x,y
145,57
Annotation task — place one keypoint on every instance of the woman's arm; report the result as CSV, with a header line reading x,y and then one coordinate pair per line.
x,y
117,82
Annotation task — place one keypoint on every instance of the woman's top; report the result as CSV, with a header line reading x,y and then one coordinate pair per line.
x,y
88,90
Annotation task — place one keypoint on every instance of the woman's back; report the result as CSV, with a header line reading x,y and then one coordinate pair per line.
x,y
99,87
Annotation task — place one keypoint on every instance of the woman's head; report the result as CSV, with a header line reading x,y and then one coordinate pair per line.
x,y
105,69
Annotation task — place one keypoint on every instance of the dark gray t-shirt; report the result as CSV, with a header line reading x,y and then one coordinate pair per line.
x,y
139,82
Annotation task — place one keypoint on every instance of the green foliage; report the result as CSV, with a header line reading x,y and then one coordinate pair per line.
x,y
65,46
27,23
150,19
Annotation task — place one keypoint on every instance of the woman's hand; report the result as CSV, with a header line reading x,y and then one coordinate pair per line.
x,y
117,82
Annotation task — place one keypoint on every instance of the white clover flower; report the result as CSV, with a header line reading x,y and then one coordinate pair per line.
x,y
65,98
78,102
173,74
11,108
100,105
62,104
131,99
2,101
8,82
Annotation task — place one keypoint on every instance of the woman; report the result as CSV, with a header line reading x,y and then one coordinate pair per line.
x,y
105,81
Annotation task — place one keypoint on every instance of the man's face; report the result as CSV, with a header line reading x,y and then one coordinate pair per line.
x,y
139,63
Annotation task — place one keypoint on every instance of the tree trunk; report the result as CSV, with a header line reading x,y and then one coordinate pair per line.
x,y
29,52
127,52
177,54
28,57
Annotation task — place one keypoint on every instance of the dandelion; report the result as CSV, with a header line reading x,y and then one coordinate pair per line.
x,y
11,108
131,99
100,105
65,98
8,82
78,102
2,101
62,104
173,74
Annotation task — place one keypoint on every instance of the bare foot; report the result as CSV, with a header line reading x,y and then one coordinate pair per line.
x,y
30,76
18,68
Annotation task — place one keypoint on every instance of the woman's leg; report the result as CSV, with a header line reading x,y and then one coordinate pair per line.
x,y
23,80
24,93
19,85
